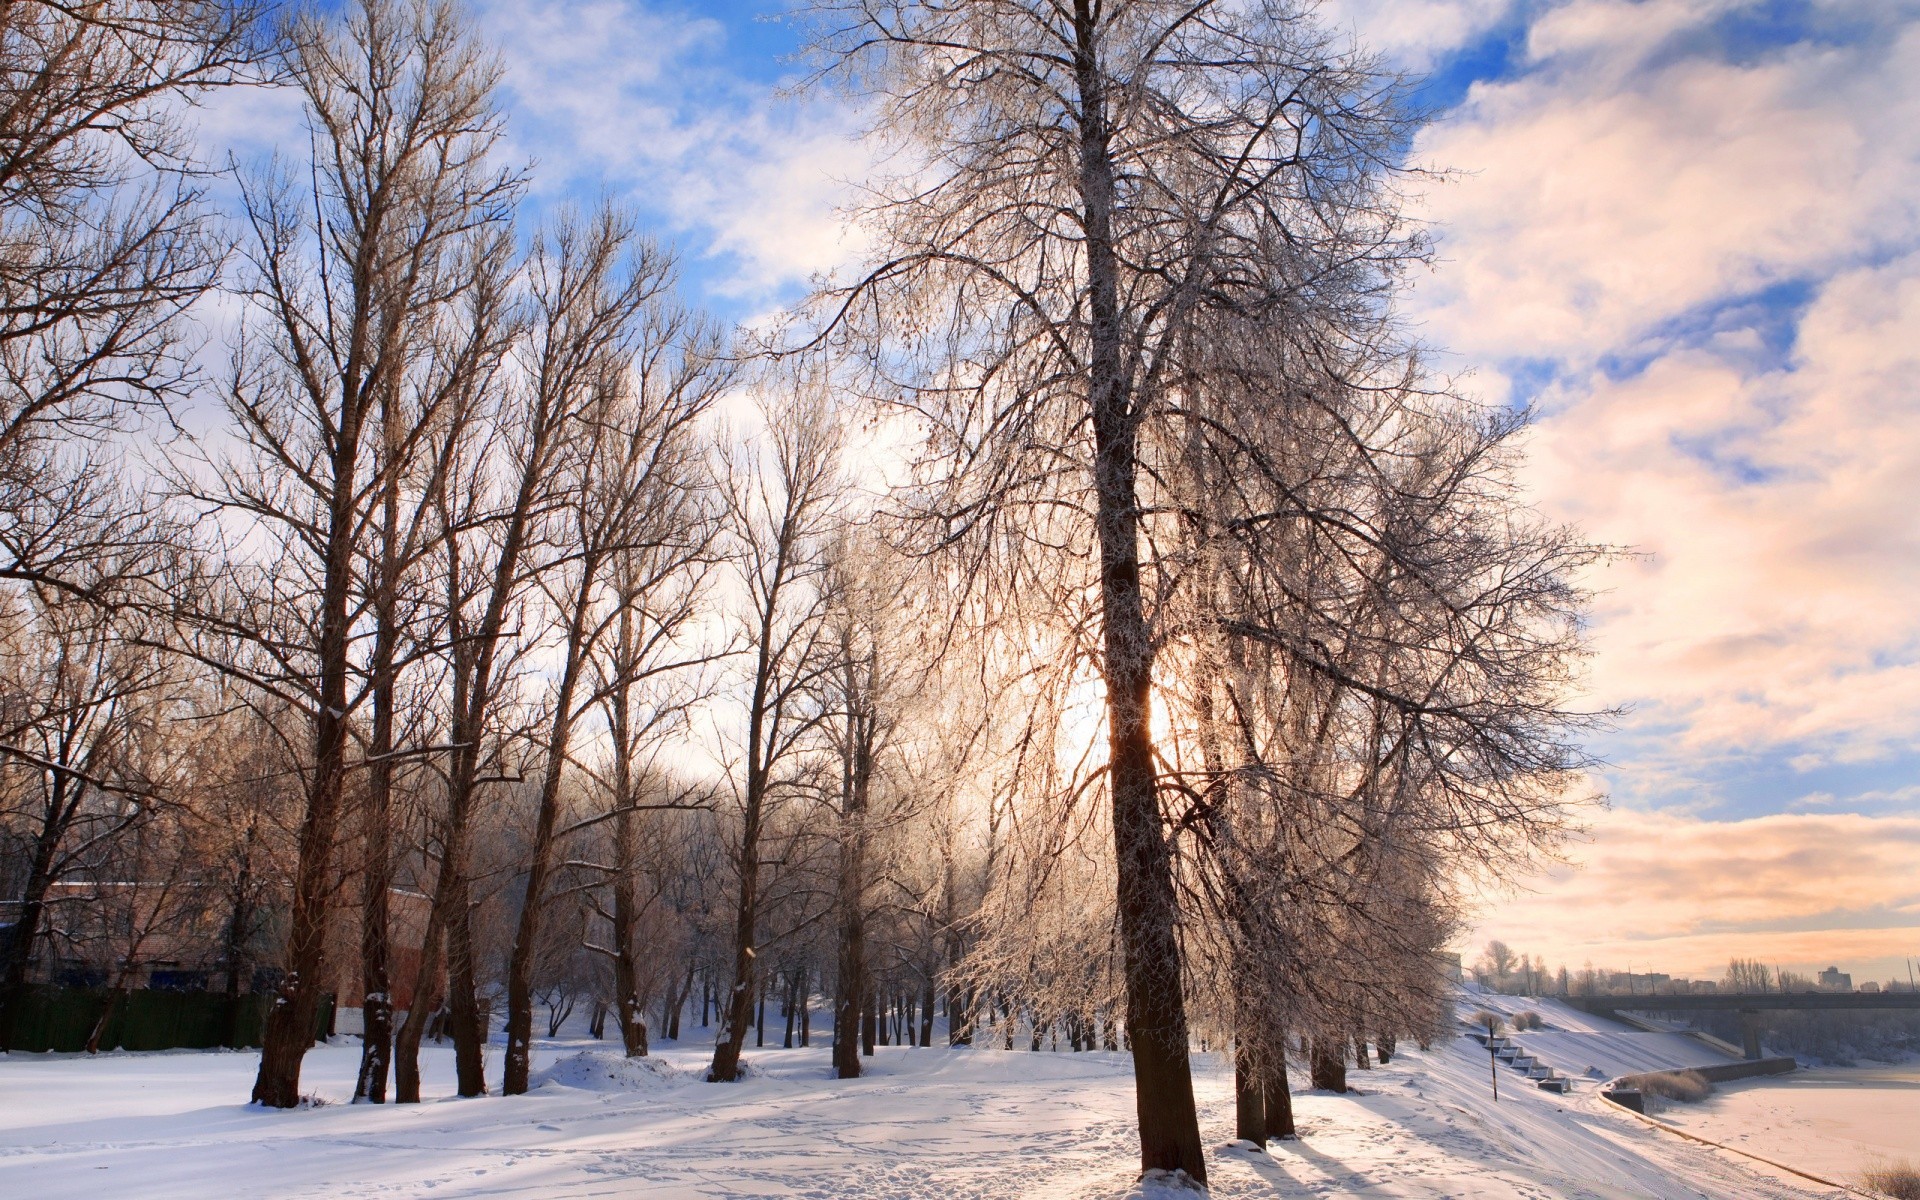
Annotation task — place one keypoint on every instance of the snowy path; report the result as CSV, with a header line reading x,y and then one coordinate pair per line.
x,y
937,1124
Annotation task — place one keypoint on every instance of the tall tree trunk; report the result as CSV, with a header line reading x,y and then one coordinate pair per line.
x,y
852,999
1156,1009
526,941
1278,1098
26,926
626,972
1249,1096
736,1006
427,991
376,866
376,828
626,841
465,1020
290,1020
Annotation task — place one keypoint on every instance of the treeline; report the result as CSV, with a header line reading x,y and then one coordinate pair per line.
x,y
1090,615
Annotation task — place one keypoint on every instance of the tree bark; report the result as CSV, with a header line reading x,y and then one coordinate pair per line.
x,y
1328,1064
1249,1096
526,940
26,926
427,992
1278,1099
1156,1009
289,1030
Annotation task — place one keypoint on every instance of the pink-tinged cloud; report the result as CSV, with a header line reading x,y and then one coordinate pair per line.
x,y
1680,895
1773,602
1610,198
1604,191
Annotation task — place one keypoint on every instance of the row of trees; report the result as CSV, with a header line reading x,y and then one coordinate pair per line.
x,y
1175,650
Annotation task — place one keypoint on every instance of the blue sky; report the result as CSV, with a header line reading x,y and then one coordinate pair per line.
x,y
1686,231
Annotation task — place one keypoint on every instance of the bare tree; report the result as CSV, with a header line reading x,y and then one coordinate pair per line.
x,y
104,242
1085,179
632,486
782,509
79,762
341,283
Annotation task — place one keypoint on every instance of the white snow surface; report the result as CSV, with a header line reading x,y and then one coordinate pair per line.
x,y
937,1123
1830,1121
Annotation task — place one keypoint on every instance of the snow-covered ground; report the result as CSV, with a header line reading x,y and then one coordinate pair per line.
x,y
930,1123
1832,1122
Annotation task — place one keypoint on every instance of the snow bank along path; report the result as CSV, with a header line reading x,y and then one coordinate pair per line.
x,y
939,1124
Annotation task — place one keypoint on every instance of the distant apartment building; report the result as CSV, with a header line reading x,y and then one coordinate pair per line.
x,y
1833,979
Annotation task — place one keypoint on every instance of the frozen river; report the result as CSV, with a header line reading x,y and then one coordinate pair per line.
x,y
1830,1121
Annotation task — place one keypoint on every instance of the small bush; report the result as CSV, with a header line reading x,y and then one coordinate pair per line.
x,y
1527,1020
1684,1086
1900,1180
1483,1019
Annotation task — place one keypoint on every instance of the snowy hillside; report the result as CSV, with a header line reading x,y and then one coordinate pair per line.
x,y
925,1123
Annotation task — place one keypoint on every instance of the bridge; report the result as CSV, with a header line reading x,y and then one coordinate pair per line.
x,y
1748,1004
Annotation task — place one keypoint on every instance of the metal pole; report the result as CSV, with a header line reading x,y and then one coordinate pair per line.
x,y
1493,1063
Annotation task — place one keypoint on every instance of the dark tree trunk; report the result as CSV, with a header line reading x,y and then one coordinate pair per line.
x,y
289,1030
26,926
806,1013
526,941
868,1019
737,1006
465,1019
1385,1044
1328,1064
959,1017
1249,1097
626,975
926,1014
1156,1010
1278,1097
427,991
376,817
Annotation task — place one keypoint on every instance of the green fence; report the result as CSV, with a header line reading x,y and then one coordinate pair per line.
x,y
57,1018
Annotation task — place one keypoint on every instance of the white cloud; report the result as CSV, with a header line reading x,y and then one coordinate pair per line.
x,y
1621,201
1601,196
1415,33
620,96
